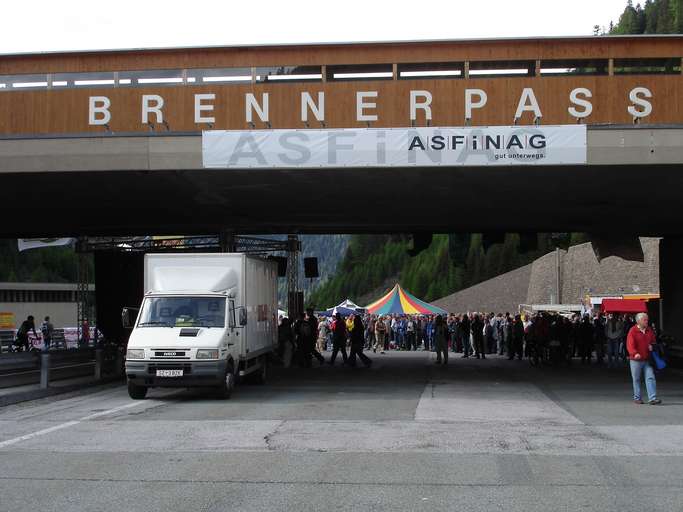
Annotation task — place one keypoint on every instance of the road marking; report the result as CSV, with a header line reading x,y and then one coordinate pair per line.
x,y
68,424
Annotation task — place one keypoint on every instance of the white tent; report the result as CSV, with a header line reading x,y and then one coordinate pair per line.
x,y
349,304
345,308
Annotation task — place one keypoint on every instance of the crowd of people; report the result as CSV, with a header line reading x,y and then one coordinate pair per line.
x,y
546,338
543,337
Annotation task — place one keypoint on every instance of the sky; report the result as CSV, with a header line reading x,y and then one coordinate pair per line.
x,y
41,25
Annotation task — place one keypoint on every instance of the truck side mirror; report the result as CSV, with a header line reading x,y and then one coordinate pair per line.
x,y
128,316
243,317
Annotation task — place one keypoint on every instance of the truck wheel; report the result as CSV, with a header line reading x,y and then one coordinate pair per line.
x,y
136,392
225,388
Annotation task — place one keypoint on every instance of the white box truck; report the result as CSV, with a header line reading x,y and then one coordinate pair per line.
x,y
205,320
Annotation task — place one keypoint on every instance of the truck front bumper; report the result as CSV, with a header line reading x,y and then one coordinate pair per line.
x,y
195,373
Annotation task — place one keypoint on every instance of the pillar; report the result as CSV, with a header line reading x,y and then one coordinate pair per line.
x,y
671,287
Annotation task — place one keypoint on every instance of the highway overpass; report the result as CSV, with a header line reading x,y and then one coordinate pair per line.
x,y
538,134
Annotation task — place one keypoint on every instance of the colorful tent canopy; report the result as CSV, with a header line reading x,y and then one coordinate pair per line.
x,y
623,306
398,301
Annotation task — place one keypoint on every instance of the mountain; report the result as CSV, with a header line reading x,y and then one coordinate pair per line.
x,y
373,263
47,265
329,249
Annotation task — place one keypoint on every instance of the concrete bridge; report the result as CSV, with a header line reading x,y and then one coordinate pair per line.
x,y
111,142
543,134
123,184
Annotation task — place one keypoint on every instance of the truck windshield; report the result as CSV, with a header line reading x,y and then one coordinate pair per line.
x,y
183,312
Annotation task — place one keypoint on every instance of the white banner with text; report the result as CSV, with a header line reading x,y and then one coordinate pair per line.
x,y
395,147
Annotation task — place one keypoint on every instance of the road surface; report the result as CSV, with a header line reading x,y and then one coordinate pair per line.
x,y
404,435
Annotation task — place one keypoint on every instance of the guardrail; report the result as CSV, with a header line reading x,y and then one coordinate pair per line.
x,y
22,368
60,339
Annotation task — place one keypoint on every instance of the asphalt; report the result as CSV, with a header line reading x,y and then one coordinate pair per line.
x,y
405,434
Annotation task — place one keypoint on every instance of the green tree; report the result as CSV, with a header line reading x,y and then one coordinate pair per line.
x,y
655,17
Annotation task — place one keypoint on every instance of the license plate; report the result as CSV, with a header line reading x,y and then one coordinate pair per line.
x,y
169,373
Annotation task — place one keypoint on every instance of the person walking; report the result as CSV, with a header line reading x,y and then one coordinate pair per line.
x,y
47,330
440,340
357,343
312,334
614,331
410,334
517,345
402,338
599,338
507,335
370,333
586,340
429,335
465,336
419,331
22,333
639,343
380,333
286,341
338,339
300,329
478,337
452,326
387,330
489,341
349,327
323,331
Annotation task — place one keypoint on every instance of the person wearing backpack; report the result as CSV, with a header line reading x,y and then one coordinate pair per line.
x,y
639,343
47,330
357,342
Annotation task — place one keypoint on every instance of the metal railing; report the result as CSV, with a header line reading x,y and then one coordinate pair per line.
x,y
341,72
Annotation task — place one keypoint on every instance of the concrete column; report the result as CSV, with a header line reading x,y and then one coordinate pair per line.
x,y
226,241
671,286
99,358
44,370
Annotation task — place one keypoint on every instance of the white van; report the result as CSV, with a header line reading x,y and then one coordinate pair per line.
x,y
205,320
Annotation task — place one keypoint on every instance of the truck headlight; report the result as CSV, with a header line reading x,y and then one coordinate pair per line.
x,y
207,354
135,353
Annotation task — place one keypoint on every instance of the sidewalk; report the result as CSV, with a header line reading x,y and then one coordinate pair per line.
x,y
88,384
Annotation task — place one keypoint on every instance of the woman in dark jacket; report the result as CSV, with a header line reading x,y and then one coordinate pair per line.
x,y
338,339
357,343
517,338
441,340
286,342
478,337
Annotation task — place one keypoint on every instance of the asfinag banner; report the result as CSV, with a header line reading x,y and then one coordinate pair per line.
x,y
395,147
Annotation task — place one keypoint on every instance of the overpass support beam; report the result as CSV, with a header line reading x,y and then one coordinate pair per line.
x,y
671,289
44,370
227,241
